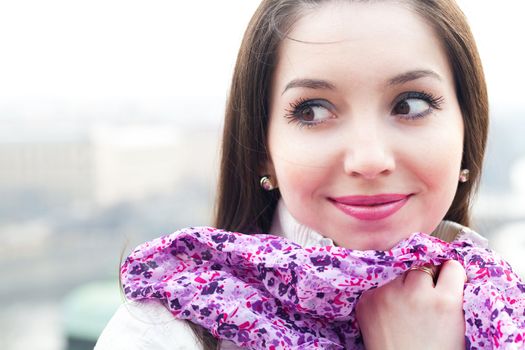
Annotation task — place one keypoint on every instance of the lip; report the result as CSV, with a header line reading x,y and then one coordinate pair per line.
x,y
376,207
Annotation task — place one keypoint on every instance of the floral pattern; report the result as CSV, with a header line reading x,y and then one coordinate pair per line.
x,y
266,292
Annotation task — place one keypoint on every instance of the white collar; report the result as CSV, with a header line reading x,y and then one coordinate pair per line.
x,y
285,225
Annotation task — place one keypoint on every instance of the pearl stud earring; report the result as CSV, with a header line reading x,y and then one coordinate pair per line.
x,y
266,183
464,175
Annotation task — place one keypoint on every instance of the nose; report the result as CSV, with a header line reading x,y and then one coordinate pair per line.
x,y
368,154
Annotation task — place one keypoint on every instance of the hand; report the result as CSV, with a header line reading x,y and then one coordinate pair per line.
x,y
411,313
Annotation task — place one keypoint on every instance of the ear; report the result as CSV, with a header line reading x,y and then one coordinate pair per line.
x,y
267,178
267,168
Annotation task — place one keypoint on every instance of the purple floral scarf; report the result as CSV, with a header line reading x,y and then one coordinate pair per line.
x,y
266,292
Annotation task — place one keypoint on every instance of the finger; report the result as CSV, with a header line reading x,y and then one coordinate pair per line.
x,y
415,278
452,278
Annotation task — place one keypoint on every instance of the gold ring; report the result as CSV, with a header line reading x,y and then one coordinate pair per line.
x,y
423,268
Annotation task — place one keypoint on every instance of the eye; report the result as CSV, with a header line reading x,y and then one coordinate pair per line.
x,y
310,112
414,105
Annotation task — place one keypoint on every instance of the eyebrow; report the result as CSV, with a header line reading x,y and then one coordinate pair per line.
x,y
397,80
413,75
309,84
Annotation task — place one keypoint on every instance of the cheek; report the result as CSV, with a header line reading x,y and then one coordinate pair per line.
x,y
309,148
298,183
301,189
439,160
439,164
303,162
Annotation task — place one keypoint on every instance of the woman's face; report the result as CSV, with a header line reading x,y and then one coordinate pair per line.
x,y
366,133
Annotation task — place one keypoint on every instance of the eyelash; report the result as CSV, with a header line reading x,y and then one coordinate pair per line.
x,y
434,102
292,113
295,107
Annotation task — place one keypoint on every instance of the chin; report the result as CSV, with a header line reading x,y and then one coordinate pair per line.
x,y
384,240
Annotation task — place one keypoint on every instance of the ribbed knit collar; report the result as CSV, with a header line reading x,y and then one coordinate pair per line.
x,y
285,225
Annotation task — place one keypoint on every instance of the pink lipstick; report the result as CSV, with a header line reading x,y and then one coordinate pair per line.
x,y
369,208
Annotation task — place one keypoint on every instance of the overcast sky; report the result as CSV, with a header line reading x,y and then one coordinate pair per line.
x,y
111,49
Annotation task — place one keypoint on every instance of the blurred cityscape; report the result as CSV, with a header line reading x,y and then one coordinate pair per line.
x,y
77,194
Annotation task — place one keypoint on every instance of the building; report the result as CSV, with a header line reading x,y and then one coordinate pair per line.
x,y
104,164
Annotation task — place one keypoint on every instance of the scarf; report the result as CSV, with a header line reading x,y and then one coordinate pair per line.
x,y
266,292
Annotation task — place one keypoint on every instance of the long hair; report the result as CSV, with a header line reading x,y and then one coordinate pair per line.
x,y
241,204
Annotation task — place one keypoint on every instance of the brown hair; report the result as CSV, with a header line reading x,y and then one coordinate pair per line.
x,y
241,204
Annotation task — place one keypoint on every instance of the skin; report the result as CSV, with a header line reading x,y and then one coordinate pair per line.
x,y
363,149
359,140
412,313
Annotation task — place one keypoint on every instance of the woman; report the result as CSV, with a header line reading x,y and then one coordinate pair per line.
x,y
363,122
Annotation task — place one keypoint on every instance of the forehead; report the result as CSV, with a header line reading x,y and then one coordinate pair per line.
x,y
347,20
349,37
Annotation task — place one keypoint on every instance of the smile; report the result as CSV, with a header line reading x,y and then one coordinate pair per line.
x,y
370,207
